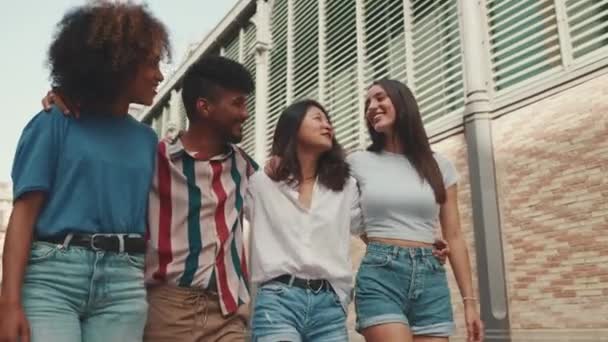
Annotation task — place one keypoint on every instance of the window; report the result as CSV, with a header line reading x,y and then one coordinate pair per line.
x,y
305,49
438,73
248,143
588,23
277,89
524,40
231,49
342,93
384,40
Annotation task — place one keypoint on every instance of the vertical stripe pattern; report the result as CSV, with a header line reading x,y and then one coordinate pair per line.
x,y
164,221
194,225
195,222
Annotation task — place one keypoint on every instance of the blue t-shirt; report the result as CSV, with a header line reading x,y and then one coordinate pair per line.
x,y
95,170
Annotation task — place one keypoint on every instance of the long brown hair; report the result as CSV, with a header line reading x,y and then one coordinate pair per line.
x,y
332,169
410,131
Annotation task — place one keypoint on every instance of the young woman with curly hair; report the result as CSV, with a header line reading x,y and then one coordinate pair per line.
x,y
74,252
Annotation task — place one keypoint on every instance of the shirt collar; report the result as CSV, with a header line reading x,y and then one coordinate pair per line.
x,y
176,150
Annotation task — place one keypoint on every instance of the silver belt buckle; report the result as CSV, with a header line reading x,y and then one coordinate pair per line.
x,y
92,242
121,241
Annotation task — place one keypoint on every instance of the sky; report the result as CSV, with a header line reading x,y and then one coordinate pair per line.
x,y
26,29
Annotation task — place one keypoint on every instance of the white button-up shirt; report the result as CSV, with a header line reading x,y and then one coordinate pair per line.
x,y
287,238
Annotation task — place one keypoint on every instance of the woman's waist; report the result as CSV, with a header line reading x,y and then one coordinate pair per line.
x,y
56,230
404,243
410,249
330,270
409,234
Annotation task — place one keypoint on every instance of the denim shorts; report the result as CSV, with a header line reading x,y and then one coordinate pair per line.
x,y
75,294
288,313
403,285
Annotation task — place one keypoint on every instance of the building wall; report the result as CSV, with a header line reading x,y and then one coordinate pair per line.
x,y
552,170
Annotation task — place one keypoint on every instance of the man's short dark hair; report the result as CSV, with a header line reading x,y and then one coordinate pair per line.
x,y
206,76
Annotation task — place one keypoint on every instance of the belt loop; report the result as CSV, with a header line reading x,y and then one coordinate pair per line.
x,y
291,280
395,252
67,240
412,252
121,243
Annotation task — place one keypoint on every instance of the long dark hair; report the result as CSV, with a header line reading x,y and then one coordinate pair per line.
x,y
332,169
410,131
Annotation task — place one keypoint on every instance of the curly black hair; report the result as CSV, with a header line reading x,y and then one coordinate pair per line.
x,y
98,47
205,76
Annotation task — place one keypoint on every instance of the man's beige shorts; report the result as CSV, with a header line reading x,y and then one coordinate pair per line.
x,y
192,315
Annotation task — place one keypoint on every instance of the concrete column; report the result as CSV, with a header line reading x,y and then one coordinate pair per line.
x,y
242,45
409,45
290,50
322,52
173,124
262,58
484,198
361,63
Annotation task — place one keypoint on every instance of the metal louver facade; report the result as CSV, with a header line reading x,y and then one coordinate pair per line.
x,y
332,50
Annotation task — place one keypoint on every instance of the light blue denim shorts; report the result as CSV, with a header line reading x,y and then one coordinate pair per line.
x,y
403,285
288,313
75,294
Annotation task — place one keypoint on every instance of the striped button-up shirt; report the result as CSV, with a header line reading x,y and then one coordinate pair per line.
x,y
195,222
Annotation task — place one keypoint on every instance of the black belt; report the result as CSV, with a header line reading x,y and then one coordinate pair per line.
x,y
118,243
316,285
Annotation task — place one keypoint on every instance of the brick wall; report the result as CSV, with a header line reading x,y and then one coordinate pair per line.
x,y
552,169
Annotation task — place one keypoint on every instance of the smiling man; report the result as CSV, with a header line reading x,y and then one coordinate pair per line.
x,y
196,268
